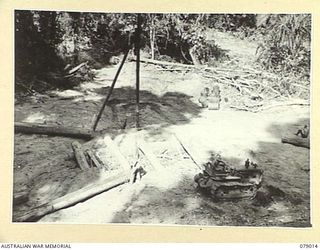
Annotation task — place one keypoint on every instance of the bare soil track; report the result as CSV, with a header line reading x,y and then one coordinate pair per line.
x,y
44,166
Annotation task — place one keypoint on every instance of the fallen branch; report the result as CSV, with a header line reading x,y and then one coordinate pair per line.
x,y
289,103
73,198
171,69
265,86
244,109
203,67
232,83
75,69
157,62
260,107
33,128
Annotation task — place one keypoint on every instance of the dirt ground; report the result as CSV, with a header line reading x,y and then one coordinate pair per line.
x,y
45,166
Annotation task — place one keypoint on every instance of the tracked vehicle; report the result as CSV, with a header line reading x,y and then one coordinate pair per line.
x,y
224,182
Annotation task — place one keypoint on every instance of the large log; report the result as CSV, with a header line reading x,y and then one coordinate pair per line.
x,y
79,155
297,141
74,197
33,128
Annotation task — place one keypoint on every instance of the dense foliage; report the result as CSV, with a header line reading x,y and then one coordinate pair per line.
x,y
231,22
286,44
183,38
35,38
48,43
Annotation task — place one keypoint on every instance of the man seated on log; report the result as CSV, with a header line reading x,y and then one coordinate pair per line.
x,y
304,133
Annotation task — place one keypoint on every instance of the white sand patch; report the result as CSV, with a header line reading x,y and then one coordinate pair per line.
x,y
89,97
94,85
40,118
278,207
68,93
35,118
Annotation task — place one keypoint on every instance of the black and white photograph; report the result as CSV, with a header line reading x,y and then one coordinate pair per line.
x,y
198,119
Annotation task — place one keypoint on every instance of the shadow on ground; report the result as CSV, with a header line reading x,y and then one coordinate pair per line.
x,y
172,108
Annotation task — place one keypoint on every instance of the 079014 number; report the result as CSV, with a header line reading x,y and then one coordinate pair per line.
x,y
307,246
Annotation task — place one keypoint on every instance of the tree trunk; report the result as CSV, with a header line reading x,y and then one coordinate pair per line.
x,y
193,56
33,128
152,36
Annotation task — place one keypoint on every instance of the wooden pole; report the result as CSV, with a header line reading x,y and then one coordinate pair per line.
x,y
137,50
110,91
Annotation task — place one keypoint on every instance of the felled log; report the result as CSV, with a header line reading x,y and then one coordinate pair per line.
x,y
75,197
163,63
296,141
204,67
33,128
79,155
